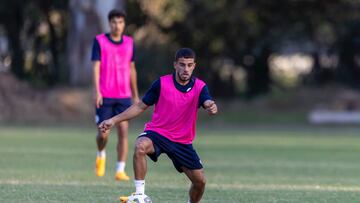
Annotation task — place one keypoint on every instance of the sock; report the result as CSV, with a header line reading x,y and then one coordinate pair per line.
x,y
140,186
101,153
120,166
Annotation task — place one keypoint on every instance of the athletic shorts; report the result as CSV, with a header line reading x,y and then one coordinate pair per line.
x,y
110,108
182,155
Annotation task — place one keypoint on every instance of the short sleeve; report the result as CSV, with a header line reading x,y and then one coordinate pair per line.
x,y
95,53
204,95
152,95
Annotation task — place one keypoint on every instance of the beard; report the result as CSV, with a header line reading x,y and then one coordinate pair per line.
x,y
184,78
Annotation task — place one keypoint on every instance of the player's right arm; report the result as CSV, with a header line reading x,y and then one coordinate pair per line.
x,y
98,96
96,58
130,113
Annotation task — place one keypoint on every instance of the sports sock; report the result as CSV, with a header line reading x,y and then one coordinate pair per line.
x,y
101,153
139,186
120,166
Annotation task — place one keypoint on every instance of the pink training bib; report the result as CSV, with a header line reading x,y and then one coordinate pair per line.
x,y
115,67
175,113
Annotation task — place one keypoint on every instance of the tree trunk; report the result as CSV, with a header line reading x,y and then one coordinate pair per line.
x,y
13,28
87,19
258,74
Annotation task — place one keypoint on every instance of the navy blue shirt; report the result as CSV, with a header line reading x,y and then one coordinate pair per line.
x,y
96,53
152,95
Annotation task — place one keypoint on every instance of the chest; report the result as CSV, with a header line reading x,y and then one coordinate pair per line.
x,y
174,98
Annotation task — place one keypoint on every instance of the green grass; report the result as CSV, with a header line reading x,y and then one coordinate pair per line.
x,y
293,164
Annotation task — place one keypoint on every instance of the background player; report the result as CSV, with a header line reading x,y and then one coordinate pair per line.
x,y
115,84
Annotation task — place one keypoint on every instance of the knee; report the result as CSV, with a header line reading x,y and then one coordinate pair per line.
x,y
102,136
140,149
200,182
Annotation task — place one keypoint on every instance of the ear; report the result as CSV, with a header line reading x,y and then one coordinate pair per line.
x,y
194,65
175,65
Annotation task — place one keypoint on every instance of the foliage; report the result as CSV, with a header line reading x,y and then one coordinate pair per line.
x,y
234,40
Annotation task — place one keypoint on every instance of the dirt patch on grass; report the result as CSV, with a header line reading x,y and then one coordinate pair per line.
x,y
20,102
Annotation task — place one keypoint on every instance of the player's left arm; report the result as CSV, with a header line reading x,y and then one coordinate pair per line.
x,y
133,83
207,102
211,107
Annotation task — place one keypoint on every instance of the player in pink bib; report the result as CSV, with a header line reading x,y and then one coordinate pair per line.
x,y
175,113
172,128
115,85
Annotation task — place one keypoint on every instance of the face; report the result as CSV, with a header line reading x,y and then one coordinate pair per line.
x,y
117,25
184,68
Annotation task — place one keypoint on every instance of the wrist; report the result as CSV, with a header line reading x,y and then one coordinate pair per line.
x,y
135,97
113,120
135,94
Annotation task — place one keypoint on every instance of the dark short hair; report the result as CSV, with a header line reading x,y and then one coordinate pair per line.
x,y
185,53
115,13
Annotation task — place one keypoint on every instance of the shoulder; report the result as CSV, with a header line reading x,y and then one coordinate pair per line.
x,y
200,82
165,80
166,77
156,84
100,36
127,38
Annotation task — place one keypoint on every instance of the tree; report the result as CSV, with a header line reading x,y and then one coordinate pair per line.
x,y
11,16
31,30
248,32
87,19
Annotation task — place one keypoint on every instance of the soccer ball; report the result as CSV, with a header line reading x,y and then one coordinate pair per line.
x,y
139,199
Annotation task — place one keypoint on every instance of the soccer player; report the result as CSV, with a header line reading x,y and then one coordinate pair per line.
x,y
177,98
115,84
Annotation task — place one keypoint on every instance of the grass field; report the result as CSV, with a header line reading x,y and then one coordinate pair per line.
x,y
266,164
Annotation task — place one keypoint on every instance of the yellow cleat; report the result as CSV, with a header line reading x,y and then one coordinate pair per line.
x,y
100,166
124,199
121,176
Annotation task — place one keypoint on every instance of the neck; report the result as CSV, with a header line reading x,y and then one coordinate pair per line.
x,y
181,82
115,37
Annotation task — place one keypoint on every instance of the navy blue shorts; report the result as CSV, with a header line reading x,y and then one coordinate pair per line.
x,y
110,108
182,155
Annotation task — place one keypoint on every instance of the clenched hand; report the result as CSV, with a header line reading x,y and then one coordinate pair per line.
x,y
210,107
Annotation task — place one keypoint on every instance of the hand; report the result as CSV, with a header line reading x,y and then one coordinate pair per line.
x,y
98,100
210,107
106,125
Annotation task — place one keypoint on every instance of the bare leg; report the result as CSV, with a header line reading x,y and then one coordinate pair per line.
x,y
143,147
122,145
198,182
101,139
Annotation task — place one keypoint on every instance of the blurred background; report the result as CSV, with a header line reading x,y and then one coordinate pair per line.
x,y
284,61
285,75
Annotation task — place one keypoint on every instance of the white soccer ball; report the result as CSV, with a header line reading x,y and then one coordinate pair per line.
x,y
139,199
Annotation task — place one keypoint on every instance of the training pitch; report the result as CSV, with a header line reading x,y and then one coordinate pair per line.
x,y
244,164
